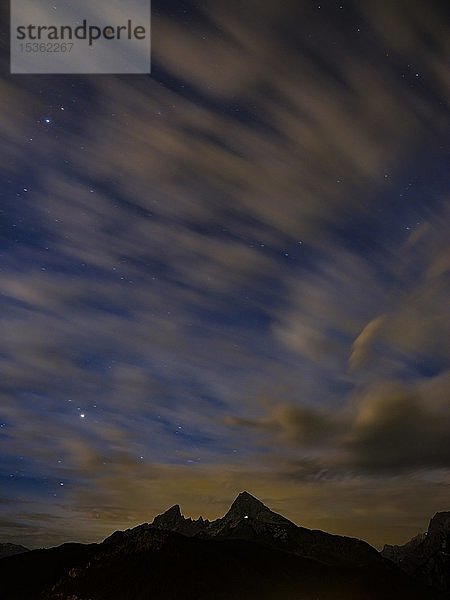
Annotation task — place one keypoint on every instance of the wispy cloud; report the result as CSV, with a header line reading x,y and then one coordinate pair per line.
x,y
215,269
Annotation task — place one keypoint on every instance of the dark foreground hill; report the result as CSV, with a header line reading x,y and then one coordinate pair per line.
x,y
251,553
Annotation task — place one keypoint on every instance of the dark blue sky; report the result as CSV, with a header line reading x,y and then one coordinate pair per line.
x,y
230,274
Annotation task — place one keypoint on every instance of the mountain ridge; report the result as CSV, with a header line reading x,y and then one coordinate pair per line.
x,y
250,519
251,553
427,555
8,549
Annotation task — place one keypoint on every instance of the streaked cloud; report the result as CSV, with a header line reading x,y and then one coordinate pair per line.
x,y
217,270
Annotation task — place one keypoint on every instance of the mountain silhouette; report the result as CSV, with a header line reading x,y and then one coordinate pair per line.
x,y
11,550
249,519
250,553
427,556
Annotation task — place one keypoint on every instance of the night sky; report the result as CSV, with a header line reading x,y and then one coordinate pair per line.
x,y
230,274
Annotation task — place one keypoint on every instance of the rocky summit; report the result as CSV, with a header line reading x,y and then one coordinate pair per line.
x,y
251,553
427,556
173,520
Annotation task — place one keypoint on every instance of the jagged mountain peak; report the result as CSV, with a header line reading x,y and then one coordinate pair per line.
x,y
174,510
247,506
440,522
173,520
245,509
245,501
169,519
426,555
247,497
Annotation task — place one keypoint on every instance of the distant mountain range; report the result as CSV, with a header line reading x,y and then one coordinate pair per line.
x,y
11,550
252,553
